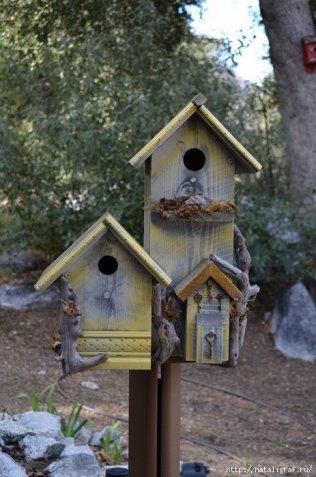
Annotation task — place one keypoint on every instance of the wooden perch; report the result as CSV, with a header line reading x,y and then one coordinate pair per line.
x,y
239,309
70,330
168,339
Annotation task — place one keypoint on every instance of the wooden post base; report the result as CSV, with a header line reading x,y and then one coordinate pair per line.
x,y
154,422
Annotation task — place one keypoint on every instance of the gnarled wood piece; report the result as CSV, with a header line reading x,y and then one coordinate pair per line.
x,y
70,330
239,309
168,339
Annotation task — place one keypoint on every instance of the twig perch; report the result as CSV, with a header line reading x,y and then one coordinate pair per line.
x,y
239,309
70,330
168,339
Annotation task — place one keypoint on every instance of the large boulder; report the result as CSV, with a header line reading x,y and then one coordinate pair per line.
x,y
11,431
9,468
41,447
293,323
41,423
18,262
79,464
24,296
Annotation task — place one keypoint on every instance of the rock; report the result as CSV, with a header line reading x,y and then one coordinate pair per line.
x,y
83,437
18,262
11,431
40,447
25,297
35,438
90,385
293,323
8,467
41,423
78,464
73,449
98,435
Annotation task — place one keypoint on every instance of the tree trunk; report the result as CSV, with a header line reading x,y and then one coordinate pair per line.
x,y
286,23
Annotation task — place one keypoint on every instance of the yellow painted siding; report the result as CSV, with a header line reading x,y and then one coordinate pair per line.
x,y
179,246
116,308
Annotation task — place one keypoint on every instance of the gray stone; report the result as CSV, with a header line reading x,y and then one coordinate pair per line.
x,y
11,431
9,468
83,436
40,447
68,441
79,465
98,435
293,323
74,450
24,296
23,261
41,423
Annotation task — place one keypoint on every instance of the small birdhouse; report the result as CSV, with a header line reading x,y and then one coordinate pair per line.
x,y
190,167
309,53
111,275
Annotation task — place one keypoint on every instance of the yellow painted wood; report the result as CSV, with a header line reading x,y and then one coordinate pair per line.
x,y
247,160
87,240
71,255
215,323
210,307
201,274
128,363
116,308
193,280
166,132
224,282
136,249
180,246
120,301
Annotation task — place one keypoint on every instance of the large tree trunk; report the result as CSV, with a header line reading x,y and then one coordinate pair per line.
x,y
286,23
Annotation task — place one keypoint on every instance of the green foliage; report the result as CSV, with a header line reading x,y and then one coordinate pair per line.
x,y
46,397
84,86
72,426
110,447
279,233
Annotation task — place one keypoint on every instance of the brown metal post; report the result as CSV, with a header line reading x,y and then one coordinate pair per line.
x,y
143,411
170,411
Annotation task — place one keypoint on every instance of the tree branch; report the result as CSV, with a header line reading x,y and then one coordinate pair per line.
x,y
239,309
168,339
70,330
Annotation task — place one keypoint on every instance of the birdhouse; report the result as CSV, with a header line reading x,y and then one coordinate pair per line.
x,y
190,167
111,275
309,53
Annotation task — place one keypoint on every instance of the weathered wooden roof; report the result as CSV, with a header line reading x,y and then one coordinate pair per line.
x,y
196,105
199,275
88,239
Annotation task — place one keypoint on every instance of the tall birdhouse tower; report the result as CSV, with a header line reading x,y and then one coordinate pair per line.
x,y
189,214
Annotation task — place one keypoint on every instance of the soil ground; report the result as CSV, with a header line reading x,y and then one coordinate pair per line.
x,y
253,435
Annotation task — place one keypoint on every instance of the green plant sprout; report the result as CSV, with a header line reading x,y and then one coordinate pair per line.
x,y
46,396
71,427
111,450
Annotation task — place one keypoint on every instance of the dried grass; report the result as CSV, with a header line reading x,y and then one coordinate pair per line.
x,y
185,208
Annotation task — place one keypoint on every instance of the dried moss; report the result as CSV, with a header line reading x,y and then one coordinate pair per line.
x,y
186,207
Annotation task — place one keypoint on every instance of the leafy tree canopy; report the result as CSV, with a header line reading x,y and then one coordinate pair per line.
x,y
84,86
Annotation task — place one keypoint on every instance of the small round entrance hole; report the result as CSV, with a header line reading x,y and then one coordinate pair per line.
x,y
107,265
194,159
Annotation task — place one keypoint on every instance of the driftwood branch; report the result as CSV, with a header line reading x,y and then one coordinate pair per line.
x,y
70,330
239,309
168,339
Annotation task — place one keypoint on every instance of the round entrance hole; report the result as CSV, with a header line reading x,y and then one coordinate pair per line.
x,y
107,265
194,159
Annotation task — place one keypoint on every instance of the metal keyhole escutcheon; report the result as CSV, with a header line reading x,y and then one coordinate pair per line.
x,y
210,338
